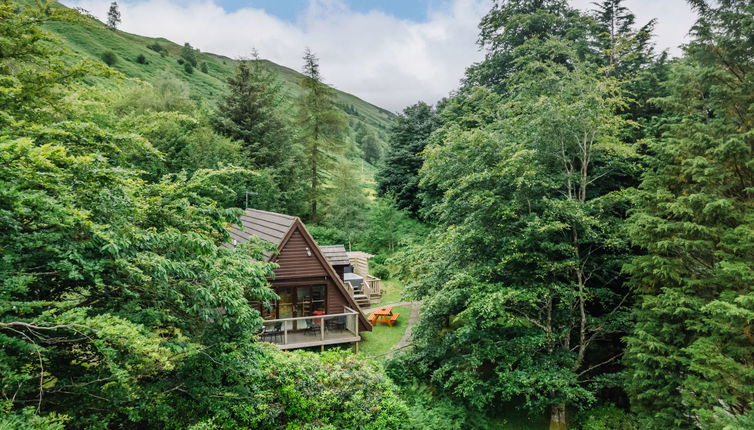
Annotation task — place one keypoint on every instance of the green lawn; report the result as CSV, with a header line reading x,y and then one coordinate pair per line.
x,y
383,337
392,291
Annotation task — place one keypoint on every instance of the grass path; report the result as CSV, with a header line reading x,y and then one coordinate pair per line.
x,y
385,340
415,307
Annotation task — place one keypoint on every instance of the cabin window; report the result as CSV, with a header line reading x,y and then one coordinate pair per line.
x,y
295,302
268,311
310,300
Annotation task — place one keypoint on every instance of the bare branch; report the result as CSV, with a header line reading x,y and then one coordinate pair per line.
x,y
609,360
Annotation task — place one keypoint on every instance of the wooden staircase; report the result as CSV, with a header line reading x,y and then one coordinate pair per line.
x,y
361,299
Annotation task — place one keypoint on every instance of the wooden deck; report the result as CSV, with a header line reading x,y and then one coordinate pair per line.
x,y
306,340
291,333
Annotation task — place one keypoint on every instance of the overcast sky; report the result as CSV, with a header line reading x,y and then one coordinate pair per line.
x,y
389,52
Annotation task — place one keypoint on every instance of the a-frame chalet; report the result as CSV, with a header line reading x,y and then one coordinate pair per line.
x,y
315,307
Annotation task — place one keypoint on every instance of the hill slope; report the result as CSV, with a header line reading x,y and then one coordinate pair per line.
x,y
91,41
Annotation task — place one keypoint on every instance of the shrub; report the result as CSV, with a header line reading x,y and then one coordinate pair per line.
x,y
180,61
297,390
141,59
204,68
326,235
188,53
379,270
109,58
188,68
156,47
609,417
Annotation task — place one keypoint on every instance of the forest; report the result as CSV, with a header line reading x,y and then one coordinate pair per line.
x,y
576,220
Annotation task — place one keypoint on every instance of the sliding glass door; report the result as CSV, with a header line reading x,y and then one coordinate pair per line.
x,y
303,301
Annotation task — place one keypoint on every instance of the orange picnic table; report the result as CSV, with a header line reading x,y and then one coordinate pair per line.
x,y
384,315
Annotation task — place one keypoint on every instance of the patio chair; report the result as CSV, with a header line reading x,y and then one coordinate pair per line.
x,y
338,323
273,332
312,327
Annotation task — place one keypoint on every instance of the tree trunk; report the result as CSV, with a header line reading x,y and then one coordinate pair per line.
x,y
558,417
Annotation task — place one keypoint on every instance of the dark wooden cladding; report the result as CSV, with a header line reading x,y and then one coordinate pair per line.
x,y
300,261
295,262
335,300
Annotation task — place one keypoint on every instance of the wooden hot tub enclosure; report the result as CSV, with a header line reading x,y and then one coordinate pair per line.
x,y
315,307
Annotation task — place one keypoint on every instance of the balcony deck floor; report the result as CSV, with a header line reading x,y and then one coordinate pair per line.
x,y
300,339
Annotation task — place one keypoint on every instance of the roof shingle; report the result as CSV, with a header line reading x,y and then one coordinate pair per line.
x,y
335,255
268,226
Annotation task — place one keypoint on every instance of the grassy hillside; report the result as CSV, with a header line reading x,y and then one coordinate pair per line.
x,y
91,41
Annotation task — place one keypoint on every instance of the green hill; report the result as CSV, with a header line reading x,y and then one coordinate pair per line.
x,y
91,41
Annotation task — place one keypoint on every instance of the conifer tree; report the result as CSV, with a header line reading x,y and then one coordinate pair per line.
x,y
113,16
323,127
253,112
408,137
630,53
691,355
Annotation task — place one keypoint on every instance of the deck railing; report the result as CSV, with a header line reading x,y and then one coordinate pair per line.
x,y
374,285
302,332
371,288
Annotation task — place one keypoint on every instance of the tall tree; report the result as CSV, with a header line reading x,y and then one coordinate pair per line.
x,y
615,21
510,24
409,136
633,61
254,112
346,203
113,16
522,301
323,128
691,355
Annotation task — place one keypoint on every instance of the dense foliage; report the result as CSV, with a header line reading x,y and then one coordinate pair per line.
x,y
521,275
587,257
119,306
409,136
551,283
692,353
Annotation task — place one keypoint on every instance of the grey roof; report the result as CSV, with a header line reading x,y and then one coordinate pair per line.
x,y
335,255
268,226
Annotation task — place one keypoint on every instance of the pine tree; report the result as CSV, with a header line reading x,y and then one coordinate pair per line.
x,y
615,21
254,112
691,355
631,57
113,16
323,127
408,137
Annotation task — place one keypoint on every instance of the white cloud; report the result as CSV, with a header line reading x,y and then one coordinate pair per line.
x,y
383,59
388,61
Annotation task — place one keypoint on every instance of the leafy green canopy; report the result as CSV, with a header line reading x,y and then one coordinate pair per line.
x,y
522,301
119,306
691,352
510,24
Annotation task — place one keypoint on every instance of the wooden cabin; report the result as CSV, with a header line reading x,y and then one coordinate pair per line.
x,y
315,307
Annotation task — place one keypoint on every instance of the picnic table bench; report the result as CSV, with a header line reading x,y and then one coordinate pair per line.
x,y
384,315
